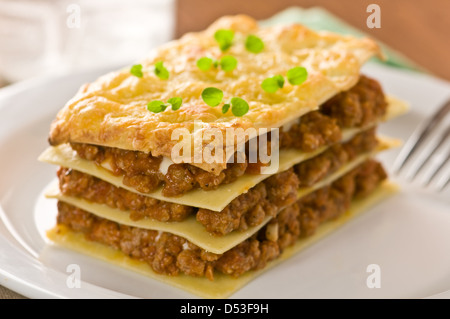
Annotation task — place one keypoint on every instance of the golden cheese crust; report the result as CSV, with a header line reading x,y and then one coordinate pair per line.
x,y
112,111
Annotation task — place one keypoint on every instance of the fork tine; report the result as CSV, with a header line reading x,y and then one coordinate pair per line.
x,y
419,135
440,167
447,182
442,139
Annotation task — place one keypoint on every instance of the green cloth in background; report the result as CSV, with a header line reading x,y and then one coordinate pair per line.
x,y
320,19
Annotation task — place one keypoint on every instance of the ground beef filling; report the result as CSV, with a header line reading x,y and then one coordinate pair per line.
x,y
278,191
77,184
250,209
171,255
361,105
247,210
317,168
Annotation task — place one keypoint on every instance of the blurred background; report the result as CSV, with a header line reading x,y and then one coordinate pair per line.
x,y
40,37
50,36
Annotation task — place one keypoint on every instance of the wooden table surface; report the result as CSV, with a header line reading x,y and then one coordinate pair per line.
x,y
417,28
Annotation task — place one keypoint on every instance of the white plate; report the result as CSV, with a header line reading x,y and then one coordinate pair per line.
x,y
407,236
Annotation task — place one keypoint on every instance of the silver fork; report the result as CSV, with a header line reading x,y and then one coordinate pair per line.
x,y
420,136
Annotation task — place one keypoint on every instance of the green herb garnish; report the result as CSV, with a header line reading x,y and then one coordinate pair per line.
x,y
205,63
228,63
297,75
136,70
161,71
280,80
156,106
212,96
224,38
272,84
225,108
239,107
159,106
254,44
175,102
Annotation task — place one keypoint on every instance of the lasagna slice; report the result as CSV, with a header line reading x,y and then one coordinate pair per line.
x,y
210,227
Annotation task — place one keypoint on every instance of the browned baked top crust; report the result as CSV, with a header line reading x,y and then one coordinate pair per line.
x,y
112,112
